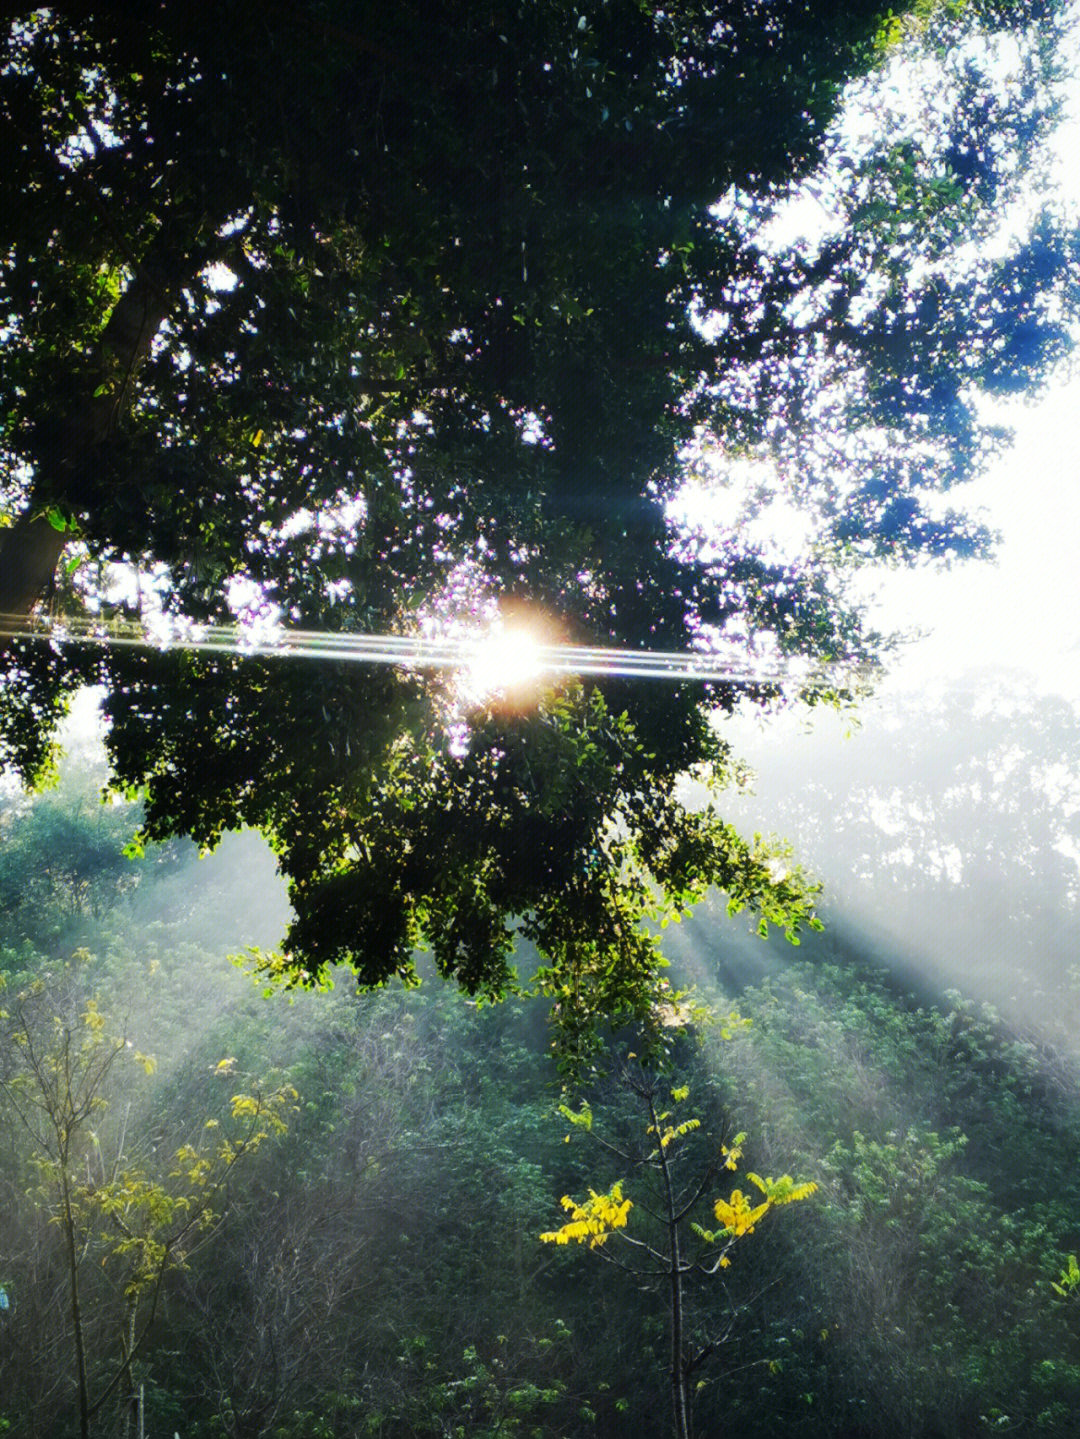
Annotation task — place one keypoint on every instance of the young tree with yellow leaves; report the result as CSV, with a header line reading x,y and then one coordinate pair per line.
x,y
127,1216
675,1249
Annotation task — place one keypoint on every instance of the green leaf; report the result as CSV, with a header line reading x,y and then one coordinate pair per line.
x,y
583,1119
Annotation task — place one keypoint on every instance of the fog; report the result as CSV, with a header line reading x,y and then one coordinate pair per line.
x,y
374,1266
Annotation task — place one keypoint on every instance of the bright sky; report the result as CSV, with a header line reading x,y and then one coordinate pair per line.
x,y
1023,612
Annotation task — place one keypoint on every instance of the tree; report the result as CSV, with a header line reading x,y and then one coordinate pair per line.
x,y
386,315
62,862
668,1256
124,1227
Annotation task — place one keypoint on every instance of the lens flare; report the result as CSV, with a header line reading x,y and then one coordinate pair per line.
x,y
506,664
500,660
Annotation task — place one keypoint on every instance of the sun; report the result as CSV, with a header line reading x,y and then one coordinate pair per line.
x,y
505,664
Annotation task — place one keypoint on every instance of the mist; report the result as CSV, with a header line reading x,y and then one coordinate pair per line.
x,y
944,828
367,1257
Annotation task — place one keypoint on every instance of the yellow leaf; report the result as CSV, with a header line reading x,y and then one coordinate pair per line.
x,y
594,1221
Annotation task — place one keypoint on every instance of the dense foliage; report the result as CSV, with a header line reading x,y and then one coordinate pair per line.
x,y
382,314
375,1268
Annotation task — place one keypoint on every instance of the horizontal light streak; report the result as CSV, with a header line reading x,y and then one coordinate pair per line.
x,y
433,652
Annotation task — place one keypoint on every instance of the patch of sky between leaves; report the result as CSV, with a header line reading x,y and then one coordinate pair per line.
x,y
725,494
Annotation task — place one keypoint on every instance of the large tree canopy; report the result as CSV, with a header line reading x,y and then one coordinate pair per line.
x,y
381,308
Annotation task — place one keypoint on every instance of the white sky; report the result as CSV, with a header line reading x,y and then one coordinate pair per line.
x,y
1022,612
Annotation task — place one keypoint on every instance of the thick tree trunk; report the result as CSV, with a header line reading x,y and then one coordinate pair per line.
x,y
29,552
66,441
